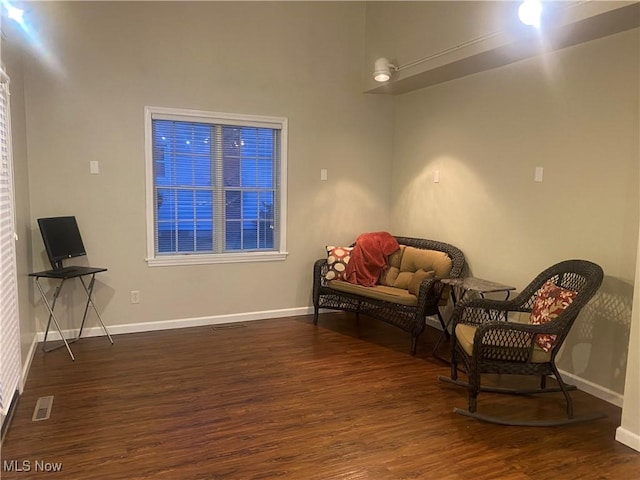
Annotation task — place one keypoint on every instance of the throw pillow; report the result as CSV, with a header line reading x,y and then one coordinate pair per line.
x,y
337,259
390,273
550,302
413,259
402,280
416,280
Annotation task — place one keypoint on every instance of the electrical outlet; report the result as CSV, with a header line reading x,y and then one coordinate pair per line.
x,y
135,296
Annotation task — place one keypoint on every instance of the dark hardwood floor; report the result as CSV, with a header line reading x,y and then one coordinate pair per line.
x,y
285,399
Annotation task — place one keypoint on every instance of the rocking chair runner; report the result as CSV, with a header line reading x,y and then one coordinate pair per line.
x,y
488,341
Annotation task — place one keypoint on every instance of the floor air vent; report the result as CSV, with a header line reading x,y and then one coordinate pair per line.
x,y
229,326
43,408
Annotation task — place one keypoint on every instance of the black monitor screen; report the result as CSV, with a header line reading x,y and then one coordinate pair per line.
x,y
61,238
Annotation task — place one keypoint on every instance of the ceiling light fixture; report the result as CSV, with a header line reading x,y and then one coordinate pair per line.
x,y
530,12
14,13
382,70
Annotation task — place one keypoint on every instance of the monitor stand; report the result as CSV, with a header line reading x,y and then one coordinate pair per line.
x,y
62,275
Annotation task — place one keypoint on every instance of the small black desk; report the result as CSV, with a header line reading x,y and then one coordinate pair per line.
x,y
63,275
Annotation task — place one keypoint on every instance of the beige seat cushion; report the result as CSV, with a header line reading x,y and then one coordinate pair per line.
x,y
377,292
465,333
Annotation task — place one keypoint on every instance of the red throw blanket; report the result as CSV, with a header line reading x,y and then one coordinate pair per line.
x,y
369,257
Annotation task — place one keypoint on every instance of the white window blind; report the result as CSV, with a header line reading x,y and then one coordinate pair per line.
x,y
215,186
9,321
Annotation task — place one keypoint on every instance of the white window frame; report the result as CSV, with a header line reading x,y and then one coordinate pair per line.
x,y
281,123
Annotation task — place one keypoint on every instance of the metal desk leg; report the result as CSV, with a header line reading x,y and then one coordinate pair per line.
x,y
89,291
52,316
56,292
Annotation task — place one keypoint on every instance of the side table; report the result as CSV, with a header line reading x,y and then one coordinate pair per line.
x,y
460,287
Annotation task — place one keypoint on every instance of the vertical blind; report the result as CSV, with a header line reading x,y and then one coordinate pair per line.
x,y
9,321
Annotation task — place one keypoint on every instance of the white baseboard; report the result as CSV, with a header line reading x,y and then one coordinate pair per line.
x,y
630,439
594,389
27,364
180,323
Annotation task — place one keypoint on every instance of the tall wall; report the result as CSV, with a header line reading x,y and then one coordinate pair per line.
x,y
629,430
107,60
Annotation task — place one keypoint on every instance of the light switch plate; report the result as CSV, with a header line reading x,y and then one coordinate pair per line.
x,y
537,177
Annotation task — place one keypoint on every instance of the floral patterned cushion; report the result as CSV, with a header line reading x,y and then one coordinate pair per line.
x,y
549,303
337,259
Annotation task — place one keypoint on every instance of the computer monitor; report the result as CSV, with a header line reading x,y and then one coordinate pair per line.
x,y
61,238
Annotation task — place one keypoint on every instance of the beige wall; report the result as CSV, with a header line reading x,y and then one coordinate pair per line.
x,y
486,133
629,431
298,60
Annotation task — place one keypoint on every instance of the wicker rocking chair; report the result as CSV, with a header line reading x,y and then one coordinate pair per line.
x,y
488,341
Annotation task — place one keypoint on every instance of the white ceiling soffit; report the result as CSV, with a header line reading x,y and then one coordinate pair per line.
x,y
593,20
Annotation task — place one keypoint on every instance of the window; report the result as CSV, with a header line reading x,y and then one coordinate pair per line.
x,y
216,185
10,361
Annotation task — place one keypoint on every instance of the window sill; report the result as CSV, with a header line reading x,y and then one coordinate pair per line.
x,y
175,260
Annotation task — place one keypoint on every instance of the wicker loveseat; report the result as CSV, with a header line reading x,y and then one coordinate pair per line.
x,y
407,292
